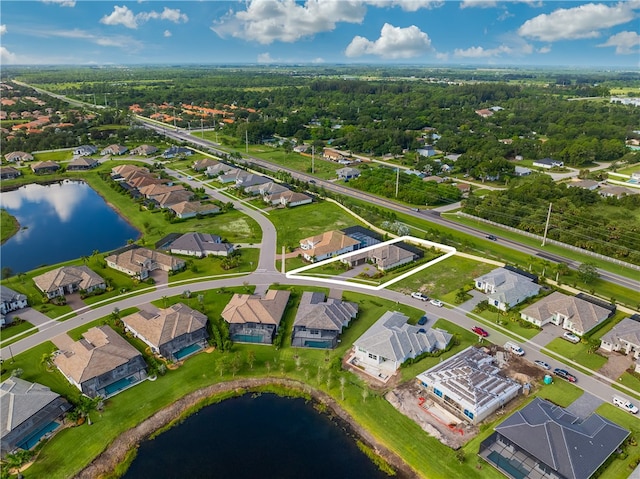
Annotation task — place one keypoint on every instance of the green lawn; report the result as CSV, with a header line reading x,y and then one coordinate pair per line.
x,y
629,380
62,155
507,321
212,266
621,467
294,224
578,353
8,225
8,334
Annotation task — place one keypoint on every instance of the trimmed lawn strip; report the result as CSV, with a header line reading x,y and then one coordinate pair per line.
x,y
630,380
15,328
621,468
198,268
512,325
76,333
579,353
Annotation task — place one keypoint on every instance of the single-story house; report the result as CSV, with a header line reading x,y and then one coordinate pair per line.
x,y
9,173
124,172
116,150
548,163
191,209
250,179
505,288
139,262
383,257
544,437
232,176
464,188
254,319
522,171
469,385
174,151
85,150
29,412
364,236
200,245
103,363
320,320
82,163
67,280
156,190
288,198
173,333
427,151
44,167
171,198
219,169
327,245
14,156
590,185
437,179
332,155
624,336
145,150
484,113
203,164
347,173
390,341
266,189
10,301
614,191
572,313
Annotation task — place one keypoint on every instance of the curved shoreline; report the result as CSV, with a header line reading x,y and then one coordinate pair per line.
x,y
14,230
117,451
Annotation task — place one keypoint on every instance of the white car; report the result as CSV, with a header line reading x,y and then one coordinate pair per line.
x,y
542,364
571,337
420,296
437,302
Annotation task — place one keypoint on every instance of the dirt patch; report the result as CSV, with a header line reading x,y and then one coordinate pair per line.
x,y
116,452
431,418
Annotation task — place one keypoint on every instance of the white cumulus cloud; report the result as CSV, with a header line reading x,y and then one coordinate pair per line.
x,y
546,49
625,43
265,58
394,43
3,29
481,52
7,57
406,5
266,21
584,21
62,3
166,34
125,17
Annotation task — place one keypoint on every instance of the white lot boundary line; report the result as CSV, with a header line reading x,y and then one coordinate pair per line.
x,y
450,251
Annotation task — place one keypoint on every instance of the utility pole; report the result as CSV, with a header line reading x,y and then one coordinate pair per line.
x,y
246,142
202,127
397,180
174,119
546,226
313,159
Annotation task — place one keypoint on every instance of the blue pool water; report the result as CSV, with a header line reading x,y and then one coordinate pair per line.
x,y
119,385
247,338
34,438
184,352
318,344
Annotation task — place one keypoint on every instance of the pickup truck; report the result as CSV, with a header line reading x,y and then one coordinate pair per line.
x,y
514,348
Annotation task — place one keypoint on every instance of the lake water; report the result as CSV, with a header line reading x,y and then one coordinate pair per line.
x,y
254,437
60,222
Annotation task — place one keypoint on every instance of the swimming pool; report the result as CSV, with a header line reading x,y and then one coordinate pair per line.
x,y
247,338
119,385
187,351
34,438
318,344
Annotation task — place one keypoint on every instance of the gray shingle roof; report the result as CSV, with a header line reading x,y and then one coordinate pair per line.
x,y
626,330
200,242
315,312
508,287
574,448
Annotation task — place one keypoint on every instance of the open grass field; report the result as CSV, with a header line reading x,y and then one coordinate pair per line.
x,y
8,334
212,266
8,225
58,155
577,352
294,224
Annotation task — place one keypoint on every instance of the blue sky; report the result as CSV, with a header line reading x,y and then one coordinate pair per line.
x,y
418,32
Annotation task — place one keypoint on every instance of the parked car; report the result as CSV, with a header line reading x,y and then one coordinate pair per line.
x,y
514,348
571,337
437,302
492,238
422,321
564,374
542,364
625,404
479,331
420,296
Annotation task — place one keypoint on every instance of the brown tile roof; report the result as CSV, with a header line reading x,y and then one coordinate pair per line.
x,y
248,308
82,161
83,276
124,170
186,207
173,197
328,242
158,189
135,259
101,350
166,325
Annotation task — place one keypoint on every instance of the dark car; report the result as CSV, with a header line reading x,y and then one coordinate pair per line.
x,y
422,321
492,238
564,374
479,331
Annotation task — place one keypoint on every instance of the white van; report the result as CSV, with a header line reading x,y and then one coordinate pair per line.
x,y
624,404
514,348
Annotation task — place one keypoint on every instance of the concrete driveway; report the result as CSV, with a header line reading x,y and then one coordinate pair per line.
x,y
478,297
36,318
549,333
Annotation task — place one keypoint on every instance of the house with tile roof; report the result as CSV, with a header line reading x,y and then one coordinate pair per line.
x,y
85,150
327,245
569,312
116,150
44,167
332,154
102,363
623,337
68,280
191,209
255,319
156,190
145,150
468,385
347,173
545,440
266,189
9,173
123,172
174,151
10,301
29,412
200,245
391,340
506,289
82,163
171,198
384,257
140,262
320,320
288,199
203,164
14,156
219,169
250,179
173,332
232,176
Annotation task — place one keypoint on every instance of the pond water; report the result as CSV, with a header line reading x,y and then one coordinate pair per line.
x,y
250,437
60,222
